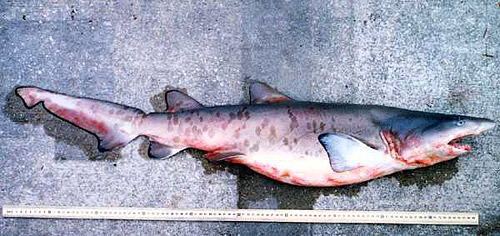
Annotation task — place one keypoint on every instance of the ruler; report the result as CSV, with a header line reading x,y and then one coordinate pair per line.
x,y
241,215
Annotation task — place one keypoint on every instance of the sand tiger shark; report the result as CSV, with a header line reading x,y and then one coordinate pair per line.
x,y
295,142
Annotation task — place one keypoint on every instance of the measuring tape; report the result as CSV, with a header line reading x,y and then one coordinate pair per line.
x,y
253,215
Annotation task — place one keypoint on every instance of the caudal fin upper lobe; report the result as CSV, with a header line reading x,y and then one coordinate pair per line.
x,y
115,125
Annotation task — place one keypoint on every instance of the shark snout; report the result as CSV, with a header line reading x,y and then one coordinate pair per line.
x,y
485,125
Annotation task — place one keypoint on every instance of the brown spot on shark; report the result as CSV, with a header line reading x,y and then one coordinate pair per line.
x,y
258,130
176,119
265,122
236,133
224,125
321,127
255,148
195,130
285,141
293,120
272,133
232,116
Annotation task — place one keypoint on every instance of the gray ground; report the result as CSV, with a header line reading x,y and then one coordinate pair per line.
x,y
441,56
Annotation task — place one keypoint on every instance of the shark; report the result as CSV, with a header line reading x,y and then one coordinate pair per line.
x,y
296,142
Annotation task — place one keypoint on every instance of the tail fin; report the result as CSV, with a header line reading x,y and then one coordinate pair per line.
x,y
114,125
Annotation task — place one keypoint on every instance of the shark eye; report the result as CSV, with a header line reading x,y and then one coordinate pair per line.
x,y
460,123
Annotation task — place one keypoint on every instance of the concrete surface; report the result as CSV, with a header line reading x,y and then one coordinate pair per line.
x,y
441,56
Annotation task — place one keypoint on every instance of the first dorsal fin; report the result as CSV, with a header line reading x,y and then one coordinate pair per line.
x,y
347,153
261,93
177,101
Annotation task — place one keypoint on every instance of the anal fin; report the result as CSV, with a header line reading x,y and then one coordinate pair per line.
x,y
161,151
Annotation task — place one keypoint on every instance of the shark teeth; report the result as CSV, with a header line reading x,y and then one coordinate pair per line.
x,y
456,143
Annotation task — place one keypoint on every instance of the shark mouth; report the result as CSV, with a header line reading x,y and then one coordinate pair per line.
x,y
458,143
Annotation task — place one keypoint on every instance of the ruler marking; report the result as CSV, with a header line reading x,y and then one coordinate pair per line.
x,y
256,215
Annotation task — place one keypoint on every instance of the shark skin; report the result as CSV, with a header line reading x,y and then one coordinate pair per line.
x,y
295,142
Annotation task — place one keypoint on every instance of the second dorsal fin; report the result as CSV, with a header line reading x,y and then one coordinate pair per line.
x,y
261,93
177,101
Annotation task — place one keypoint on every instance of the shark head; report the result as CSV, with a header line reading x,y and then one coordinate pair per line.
x,y
421,139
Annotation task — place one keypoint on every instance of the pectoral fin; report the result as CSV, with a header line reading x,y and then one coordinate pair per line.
x,y
345,152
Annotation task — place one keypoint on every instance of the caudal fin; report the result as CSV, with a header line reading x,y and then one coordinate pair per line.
x,y
115,125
